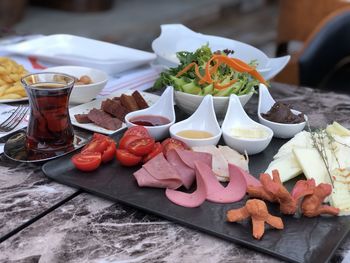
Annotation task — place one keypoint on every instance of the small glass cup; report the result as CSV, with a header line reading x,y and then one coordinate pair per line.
x,y
49,128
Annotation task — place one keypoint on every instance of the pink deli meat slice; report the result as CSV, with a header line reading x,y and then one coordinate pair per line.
x,y
191,200
250,180
162,171
216,192
145,179
186,173
190,157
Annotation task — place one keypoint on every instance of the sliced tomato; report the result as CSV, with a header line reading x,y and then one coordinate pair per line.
x,y
157,149
172,143
87,161
126,140
127,159
100,136
96,145
141,146
138,131
109,153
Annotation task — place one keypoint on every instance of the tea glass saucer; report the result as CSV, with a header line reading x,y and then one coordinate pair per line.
x,y
15,149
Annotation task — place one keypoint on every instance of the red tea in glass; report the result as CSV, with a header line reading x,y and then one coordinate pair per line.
x,y
49,127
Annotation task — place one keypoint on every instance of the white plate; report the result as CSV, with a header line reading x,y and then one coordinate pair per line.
x,y
177,37
85,108
13,100
73,50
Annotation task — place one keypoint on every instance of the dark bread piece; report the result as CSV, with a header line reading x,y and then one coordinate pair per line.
x,y
129,102
139,100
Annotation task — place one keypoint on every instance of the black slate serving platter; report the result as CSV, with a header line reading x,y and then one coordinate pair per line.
x,y
302,240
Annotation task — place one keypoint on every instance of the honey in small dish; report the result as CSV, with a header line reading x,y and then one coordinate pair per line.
x,y
194,134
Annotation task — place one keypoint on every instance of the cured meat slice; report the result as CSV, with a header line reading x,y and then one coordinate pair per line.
x,y
104,120
216,192
140,101
160,169
194,199
145,179
82,118
219,163
250,179
186,173
129,102
234,157
115,108
190,157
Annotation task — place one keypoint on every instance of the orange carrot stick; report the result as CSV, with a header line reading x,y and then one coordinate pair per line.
x,y
185,69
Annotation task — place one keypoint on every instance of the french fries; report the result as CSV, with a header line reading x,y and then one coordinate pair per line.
x,y
10,79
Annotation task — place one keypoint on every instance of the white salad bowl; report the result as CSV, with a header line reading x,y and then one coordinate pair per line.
x,y
280,130
189,102
177,37
203,119
83,93
237,118
163,107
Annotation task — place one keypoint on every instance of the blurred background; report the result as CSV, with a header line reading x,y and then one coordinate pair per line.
x,y
277,27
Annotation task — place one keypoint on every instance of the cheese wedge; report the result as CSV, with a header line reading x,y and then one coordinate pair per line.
x,y
287,166
340,197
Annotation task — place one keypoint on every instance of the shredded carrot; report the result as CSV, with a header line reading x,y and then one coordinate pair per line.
x,y
185,69
201,78
224,86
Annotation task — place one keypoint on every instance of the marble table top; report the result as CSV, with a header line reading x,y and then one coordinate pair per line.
x,y
85,228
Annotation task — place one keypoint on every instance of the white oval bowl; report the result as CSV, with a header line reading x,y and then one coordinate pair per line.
x,y
189,102
163,107
237,117
280,130
83,93
203,119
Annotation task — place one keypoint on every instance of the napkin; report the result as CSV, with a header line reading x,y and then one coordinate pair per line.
x,y
137,79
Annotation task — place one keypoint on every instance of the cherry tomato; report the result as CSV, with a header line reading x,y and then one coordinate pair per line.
x,y
141,146
126,140
109,153
96,145
87,161
127,159
138,131
172,143
157,149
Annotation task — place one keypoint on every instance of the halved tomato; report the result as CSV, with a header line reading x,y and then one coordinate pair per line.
x,y
157,149
127,159
109,153
138,131
141,146
96,145
126,140
87,161
172,143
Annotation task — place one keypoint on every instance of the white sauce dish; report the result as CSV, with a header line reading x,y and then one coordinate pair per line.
x,y
253,137
164,107
280,130
202,121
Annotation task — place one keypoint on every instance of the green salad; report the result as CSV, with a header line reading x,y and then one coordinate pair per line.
x,y
203,72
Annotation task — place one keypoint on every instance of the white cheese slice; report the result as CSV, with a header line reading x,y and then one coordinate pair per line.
x,y
340,197
287,166
312,164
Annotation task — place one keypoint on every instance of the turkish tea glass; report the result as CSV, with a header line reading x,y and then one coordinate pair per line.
x,y
49,128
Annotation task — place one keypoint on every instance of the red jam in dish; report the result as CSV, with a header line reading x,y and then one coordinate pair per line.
x,y
149,120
